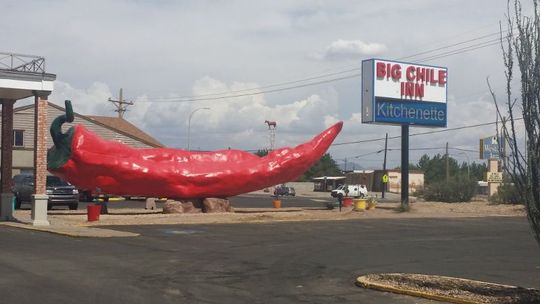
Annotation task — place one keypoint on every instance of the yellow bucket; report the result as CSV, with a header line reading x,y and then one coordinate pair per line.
x,y
360,204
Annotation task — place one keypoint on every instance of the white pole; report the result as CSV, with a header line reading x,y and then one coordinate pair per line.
x,y
189,125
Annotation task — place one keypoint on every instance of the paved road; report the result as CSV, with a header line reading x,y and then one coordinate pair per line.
x,y
309,262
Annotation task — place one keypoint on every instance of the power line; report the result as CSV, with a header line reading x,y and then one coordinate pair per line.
x,y
257,88
459,51
399,149
455,44
419,134
191,99
239,93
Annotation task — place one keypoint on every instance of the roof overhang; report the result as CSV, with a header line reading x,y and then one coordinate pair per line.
x,y
19,85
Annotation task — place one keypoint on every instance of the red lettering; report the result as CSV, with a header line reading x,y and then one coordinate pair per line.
x,y
412,90
442,77
396,72
419,90
432,79
410,73
388,70
381,71
409,89
420,74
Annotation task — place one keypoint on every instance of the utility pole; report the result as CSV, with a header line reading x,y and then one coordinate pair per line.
x,y
120,104
384,165
447,164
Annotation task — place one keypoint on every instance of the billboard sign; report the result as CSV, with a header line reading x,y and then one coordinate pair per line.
x,y
489,147
404,93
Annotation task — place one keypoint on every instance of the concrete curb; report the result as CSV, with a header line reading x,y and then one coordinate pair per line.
x,y
364,281
73,231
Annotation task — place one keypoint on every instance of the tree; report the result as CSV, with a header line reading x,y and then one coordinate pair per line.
x,y
326,166
522,164
262,152
435,169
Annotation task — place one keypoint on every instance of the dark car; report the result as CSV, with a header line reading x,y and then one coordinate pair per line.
x,y
284,190
60,192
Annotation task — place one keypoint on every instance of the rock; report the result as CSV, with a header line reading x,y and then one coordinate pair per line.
x,y
189,207
171,206
215,205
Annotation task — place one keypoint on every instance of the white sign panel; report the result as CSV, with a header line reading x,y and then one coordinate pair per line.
x,y
404,93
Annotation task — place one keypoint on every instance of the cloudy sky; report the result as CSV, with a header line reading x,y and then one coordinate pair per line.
x,y
293,62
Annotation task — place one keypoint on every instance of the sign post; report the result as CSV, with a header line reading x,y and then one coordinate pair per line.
x,y
490,149
404,94
385,176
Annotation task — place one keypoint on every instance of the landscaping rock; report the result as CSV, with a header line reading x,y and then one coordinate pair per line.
x,y
171,206
216,205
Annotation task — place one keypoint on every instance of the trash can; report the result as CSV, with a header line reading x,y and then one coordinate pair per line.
x,y
347,202
276,203
360,204
93,211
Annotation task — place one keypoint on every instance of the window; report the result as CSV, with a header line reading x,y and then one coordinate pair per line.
x,y
18,138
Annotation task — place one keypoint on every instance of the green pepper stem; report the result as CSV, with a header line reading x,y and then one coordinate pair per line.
x,y
56,126
60,153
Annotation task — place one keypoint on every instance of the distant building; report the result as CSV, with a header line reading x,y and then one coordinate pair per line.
x,y
327,183
111,128
373,180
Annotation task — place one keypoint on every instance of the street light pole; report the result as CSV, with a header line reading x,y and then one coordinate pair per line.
x,y
189,126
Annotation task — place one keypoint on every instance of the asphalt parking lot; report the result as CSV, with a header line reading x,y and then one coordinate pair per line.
x,y
301,262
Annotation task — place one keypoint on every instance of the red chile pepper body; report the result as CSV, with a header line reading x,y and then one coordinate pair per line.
x,y
116,168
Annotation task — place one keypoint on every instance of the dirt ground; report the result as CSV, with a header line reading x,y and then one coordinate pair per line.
x,y
383,210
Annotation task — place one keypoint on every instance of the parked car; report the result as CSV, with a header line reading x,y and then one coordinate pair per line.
x,y
284,190
60,192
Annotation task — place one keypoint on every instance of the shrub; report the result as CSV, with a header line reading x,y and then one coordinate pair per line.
x,y
506,194
455,190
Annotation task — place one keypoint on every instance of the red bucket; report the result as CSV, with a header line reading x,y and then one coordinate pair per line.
x,y
93,212
346,202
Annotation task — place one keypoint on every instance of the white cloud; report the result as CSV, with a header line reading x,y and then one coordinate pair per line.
x,y
165,48
229,122
92,100
350,50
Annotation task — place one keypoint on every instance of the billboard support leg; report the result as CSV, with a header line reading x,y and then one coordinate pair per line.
x,y
405,166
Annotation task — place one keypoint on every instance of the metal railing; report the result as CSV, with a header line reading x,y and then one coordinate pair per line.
x,y
22,63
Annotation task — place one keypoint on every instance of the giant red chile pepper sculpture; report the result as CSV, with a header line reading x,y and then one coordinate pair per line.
x,y
89,162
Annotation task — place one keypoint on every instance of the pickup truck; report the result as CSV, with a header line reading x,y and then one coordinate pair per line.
x,y
350,190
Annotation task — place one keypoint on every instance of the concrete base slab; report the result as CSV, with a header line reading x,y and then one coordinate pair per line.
x,y
39,210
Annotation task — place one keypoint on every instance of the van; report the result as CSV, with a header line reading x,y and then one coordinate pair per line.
x,y
350,190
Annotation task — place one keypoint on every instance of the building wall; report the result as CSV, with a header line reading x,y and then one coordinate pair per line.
x,y
372,179
416,181
24,120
